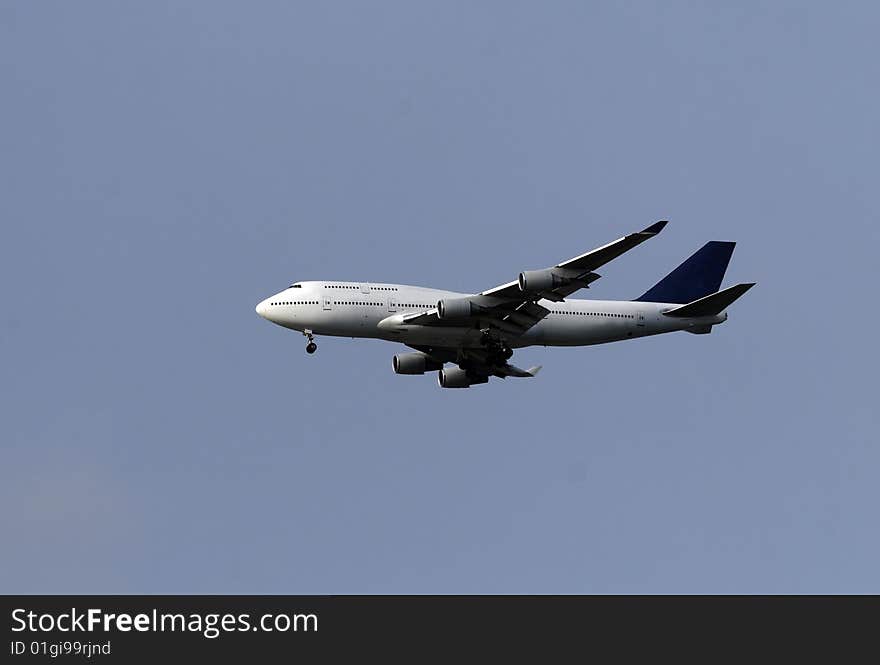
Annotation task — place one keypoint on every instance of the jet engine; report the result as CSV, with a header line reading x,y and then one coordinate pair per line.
x,y
456,308
414,363
541,280
455,377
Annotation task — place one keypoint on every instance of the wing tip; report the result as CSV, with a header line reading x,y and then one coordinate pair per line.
x,y
656,227
534,370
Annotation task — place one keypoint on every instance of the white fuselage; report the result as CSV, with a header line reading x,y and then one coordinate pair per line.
x,y
359,309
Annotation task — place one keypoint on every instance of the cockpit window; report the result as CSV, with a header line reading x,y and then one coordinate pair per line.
x,y
295,286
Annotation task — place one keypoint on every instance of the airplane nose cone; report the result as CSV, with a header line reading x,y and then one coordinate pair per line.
x,y
263,309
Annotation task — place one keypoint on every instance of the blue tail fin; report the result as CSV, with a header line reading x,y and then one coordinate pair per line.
x,y
699,276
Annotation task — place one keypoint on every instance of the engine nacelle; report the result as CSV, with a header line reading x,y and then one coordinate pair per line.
x,y
414,363
541,280
455,308
455,377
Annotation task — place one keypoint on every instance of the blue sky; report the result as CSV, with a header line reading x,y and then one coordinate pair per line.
x,y
164,166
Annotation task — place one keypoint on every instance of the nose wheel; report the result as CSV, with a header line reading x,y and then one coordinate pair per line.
x,y
311,347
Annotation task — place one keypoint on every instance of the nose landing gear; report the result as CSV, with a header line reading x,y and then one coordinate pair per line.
x,y
311,347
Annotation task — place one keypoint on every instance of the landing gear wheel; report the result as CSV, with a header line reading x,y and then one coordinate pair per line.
x,y
499,352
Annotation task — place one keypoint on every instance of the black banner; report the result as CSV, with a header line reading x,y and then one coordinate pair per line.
x,y
152,628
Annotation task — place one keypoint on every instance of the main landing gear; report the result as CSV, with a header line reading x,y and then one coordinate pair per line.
x,y
311,347
499,352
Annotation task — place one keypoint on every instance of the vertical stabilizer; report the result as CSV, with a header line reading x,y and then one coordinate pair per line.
x,y
699,276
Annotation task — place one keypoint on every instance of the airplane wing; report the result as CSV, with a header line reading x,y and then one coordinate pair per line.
x,y
479,361
512,308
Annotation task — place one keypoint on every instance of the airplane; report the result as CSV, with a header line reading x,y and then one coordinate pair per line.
x,y
477,333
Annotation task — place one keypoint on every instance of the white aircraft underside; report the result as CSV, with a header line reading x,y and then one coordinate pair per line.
x,y
478,332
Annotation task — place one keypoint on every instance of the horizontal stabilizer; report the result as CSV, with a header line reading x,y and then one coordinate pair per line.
x,y
512,370
710,305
